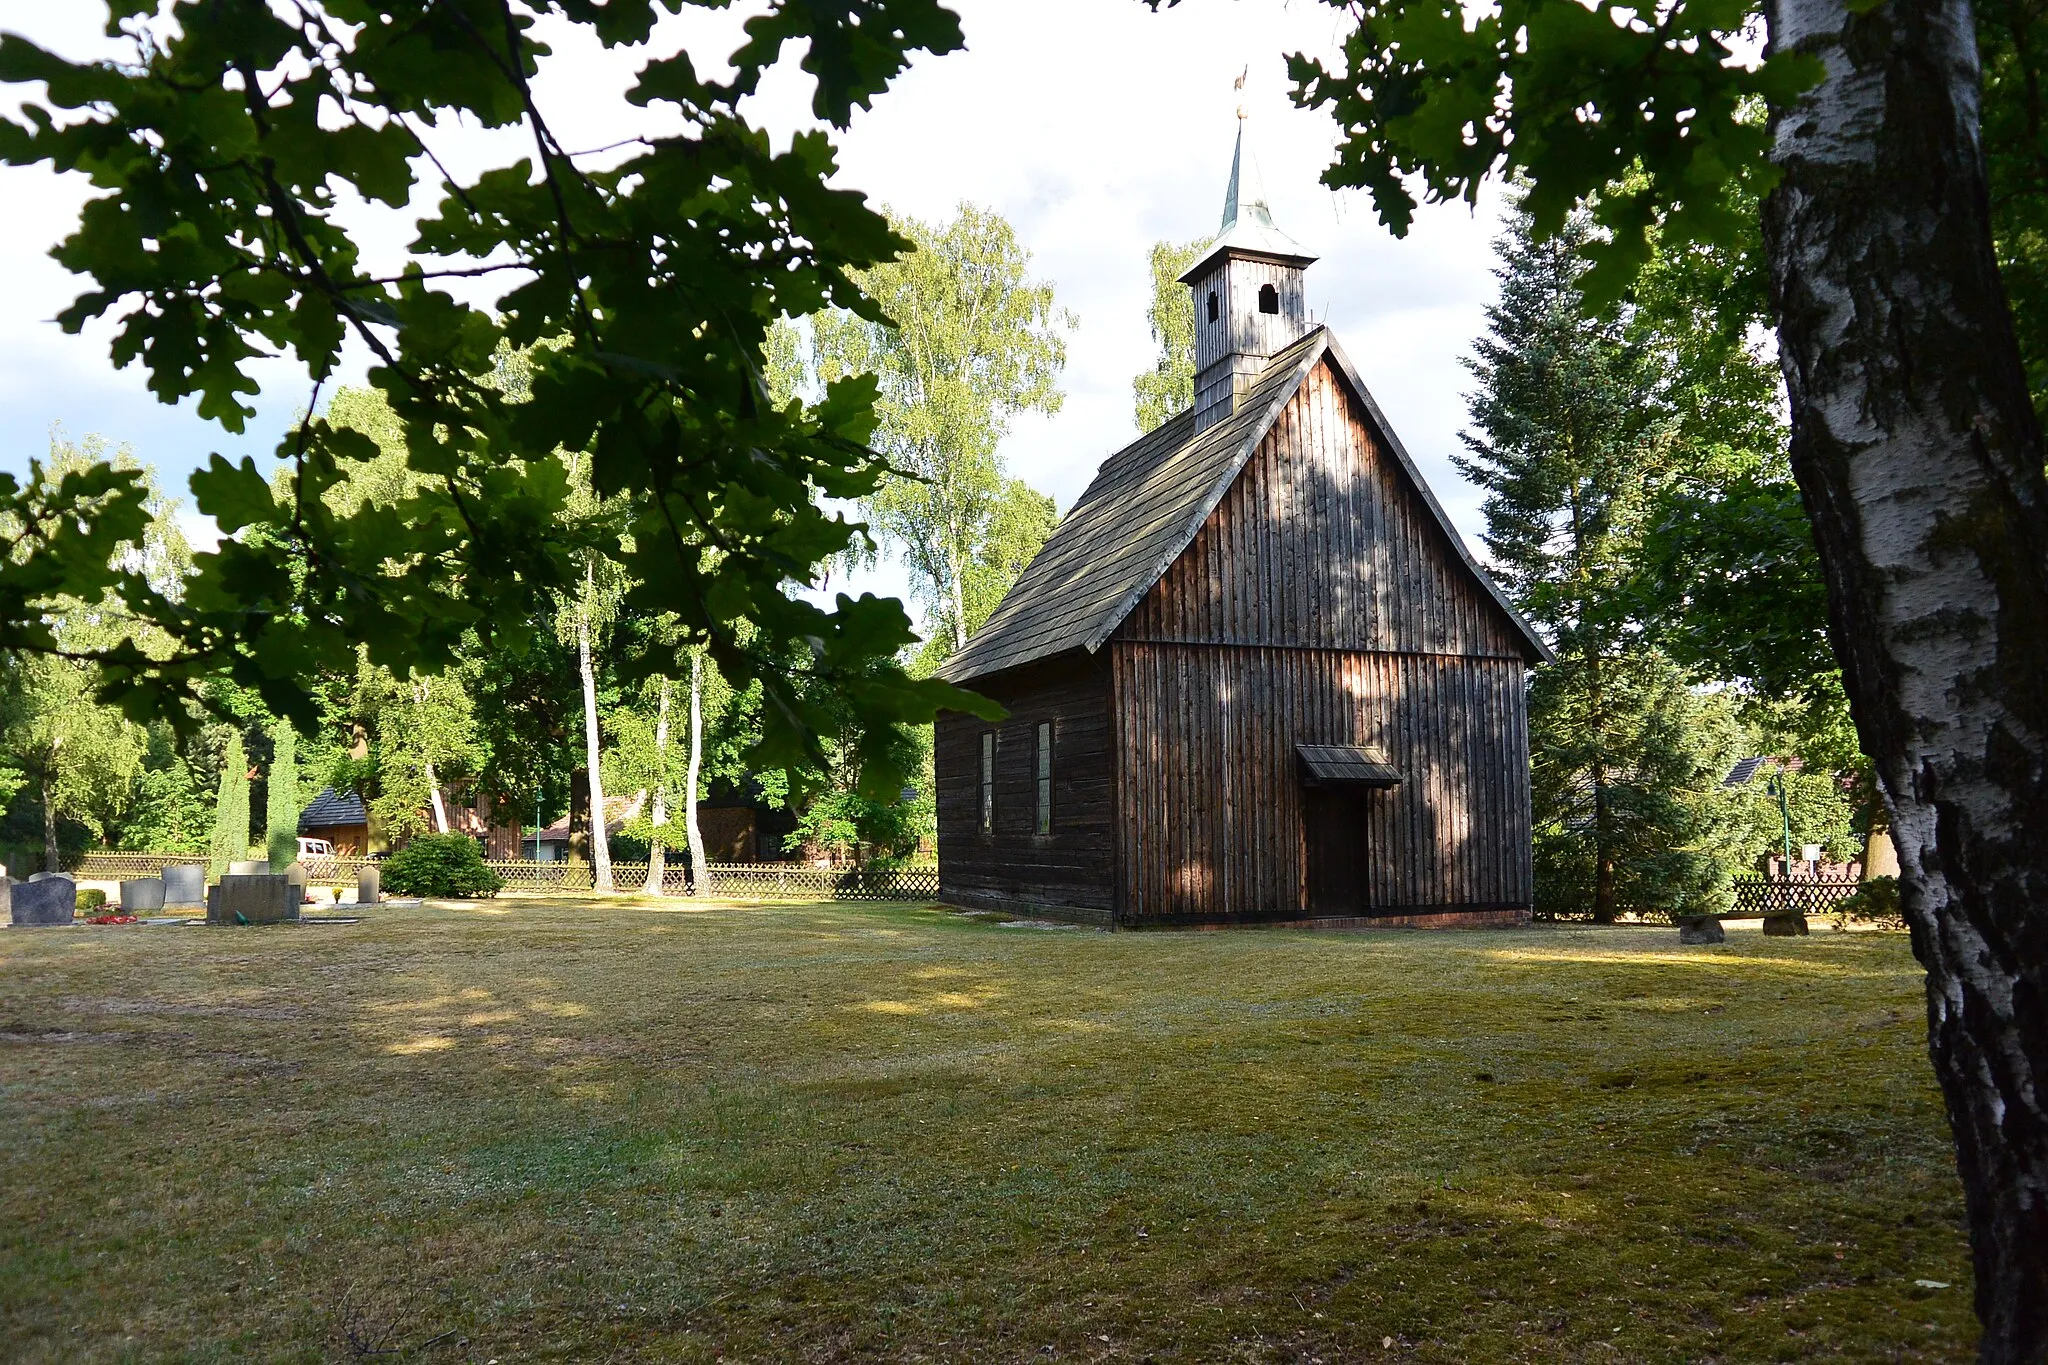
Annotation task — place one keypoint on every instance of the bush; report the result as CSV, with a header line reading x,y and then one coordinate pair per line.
x,y
440,865
1876,902
92,898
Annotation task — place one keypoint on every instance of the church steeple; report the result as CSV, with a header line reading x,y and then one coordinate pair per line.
x,y
1248,292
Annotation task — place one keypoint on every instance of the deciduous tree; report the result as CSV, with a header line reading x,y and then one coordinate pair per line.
x,y
1168,388
965,342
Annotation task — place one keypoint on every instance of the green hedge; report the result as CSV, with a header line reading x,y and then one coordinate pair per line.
x,y
91,898
440,865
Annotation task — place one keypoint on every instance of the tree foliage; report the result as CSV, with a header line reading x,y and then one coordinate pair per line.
x,y
966,341
230,843
1168,388
227,145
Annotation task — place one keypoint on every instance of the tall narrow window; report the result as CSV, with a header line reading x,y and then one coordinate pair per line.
x,y
1045,777
1269,299
988,781
1212,305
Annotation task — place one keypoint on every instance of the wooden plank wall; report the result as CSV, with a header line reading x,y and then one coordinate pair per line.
x,y
1212,801
1321,542
1320,603
1228,352
1015,865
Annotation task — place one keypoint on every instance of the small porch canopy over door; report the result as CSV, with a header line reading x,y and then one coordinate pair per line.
x,y
1339,778
1350,766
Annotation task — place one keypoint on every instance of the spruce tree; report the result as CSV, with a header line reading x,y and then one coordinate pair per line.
x,y
1568,442
231,809
281,811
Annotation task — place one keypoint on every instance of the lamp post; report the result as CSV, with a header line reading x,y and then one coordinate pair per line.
x,y
1776,787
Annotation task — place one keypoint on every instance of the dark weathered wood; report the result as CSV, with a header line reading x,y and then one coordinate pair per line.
x,y
1013,863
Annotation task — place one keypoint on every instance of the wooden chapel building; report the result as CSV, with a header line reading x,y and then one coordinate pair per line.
x,y
1254,676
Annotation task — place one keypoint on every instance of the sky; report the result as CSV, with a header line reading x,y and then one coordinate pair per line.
x,y
1097,127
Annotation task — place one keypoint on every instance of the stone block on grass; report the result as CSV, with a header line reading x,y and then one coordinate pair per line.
x,y
1701,929
252,898
253,867
184,886
142,896
53,900
1785,926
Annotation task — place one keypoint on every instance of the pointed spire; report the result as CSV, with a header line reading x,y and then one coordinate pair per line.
x,y
1247,224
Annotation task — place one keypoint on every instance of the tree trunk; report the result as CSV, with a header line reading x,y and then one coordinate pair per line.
x,y
656,863
440,806
50,856
700,865
600,845
959,601
1919,460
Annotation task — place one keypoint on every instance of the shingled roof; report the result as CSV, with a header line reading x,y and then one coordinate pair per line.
x,y
1146,505
332,809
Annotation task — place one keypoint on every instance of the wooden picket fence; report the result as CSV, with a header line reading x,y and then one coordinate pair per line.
x,y
742,881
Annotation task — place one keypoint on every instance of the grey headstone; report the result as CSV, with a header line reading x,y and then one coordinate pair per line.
x,y
253,898
184,886
1785,926
1701,929
51,900
367,882
298,876
142,895
254,867
43,876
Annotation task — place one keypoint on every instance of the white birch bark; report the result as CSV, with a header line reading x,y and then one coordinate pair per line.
x,y
600,846
700,866
657,864
1918,456
434,798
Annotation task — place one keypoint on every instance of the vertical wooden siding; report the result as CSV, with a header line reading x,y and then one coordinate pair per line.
x,y
1212,801
1320,542
1319,603
1072,865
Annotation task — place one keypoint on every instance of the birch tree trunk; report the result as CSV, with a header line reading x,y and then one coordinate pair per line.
x,y
1920,463
656,863
600,845
51,858
419,698
700,866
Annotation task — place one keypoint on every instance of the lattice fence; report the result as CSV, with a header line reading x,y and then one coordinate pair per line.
x,y
743,881
1755,896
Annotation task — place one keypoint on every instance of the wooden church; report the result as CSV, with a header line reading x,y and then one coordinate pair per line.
x,y
1254,676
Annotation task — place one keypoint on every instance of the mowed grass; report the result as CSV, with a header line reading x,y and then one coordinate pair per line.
x,y
526,1131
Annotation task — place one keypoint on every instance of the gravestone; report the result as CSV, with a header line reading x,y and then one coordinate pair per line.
x,y
254,867
296,875
143,895
43,876
184,886
1788,925
252,898
51,900
368,880
1701,929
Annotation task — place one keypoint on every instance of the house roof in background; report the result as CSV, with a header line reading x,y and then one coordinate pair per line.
x,y
332,809
617,809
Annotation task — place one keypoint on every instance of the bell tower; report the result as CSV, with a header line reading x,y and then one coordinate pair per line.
x,y
1248,293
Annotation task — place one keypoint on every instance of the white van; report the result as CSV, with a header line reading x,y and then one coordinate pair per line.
x,y
315,848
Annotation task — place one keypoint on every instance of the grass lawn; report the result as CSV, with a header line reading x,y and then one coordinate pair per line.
x,y
528,1131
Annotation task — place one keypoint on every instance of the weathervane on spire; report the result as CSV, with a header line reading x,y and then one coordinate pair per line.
x,y
1238,85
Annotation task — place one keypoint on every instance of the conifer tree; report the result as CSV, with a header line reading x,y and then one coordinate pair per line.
x,y
281,811
1568,443
231,809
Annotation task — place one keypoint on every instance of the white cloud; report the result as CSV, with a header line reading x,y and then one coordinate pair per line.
x,y
1095,126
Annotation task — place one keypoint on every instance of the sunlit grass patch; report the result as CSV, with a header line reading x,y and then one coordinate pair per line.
x,y
767,1133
